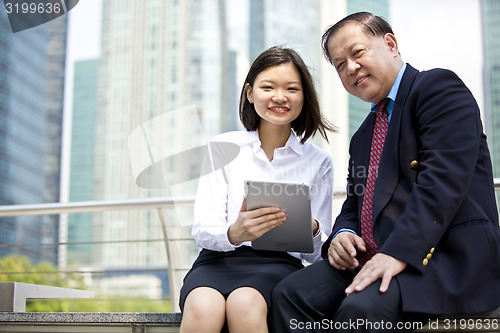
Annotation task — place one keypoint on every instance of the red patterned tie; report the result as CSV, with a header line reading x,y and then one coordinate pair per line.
x,y
379,133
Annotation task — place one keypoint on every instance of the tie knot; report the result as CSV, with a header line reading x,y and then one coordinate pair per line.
x,y
382,105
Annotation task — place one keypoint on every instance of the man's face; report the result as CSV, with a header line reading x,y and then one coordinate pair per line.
x,y
367,65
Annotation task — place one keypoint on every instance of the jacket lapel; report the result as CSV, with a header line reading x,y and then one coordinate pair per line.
x,y
362,144
388,173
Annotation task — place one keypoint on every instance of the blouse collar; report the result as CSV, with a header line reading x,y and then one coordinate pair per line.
x,y
292,142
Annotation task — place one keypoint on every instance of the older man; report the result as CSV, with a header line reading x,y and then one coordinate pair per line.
x,y
418,233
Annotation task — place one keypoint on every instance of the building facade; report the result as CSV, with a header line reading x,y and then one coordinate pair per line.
x,y
490,10
157,59
32,64
81,186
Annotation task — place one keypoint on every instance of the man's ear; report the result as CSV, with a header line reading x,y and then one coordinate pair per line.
x,y
392,43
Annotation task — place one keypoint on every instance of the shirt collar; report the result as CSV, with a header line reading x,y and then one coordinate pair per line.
x,y
292,142
393,93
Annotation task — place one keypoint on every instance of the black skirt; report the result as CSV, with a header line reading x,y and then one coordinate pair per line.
x,y
244,267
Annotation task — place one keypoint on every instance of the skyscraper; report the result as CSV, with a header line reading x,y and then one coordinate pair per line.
x,y
156,57
491,43
292,23
82,156
31,98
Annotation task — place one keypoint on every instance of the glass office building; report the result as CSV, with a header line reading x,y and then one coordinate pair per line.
x,y
491,42
81,187
156,57
292,23
31,98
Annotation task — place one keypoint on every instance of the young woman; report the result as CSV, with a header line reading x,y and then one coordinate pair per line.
x,y
230,284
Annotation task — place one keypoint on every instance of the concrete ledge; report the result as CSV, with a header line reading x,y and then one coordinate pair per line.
x,y
13,295
168,319
86,322
147,321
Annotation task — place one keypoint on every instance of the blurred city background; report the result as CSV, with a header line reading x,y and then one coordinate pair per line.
x,y
95,102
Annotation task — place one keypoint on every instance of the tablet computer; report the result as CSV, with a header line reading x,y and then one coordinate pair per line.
x,y
295,234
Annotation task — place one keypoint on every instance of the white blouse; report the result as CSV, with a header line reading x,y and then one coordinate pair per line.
x,y
220,193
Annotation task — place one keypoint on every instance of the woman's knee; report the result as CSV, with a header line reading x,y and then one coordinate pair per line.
x,y
246,306
204,305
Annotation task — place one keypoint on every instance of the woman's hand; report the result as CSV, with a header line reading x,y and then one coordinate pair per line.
x,y
252,224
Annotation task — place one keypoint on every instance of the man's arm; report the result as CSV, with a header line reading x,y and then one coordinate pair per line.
x,y
449,131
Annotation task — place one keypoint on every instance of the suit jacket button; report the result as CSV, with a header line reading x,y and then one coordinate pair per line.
x,y
429,256
425,262
414,164
432,250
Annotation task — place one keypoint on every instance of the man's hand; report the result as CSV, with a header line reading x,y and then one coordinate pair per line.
x,y
343,250
380,266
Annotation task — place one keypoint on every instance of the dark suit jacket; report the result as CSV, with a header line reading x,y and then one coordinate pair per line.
x,y
434,202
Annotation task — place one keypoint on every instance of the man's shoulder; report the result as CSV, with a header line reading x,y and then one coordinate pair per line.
x,y
432,82
435,76
430,77
435,91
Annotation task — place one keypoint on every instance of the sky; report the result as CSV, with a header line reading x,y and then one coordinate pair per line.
x,y
84,30
442,33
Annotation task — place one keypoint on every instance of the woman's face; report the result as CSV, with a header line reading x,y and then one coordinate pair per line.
x,y
277,94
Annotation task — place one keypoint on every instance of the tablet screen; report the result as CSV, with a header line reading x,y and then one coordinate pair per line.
x,y
295,234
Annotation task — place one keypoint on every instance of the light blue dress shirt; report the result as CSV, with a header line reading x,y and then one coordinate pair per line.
x,y
392,94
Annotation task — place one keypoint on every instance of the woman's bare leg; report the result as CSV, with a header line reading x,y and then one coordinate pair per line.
x,y
246,311
204,311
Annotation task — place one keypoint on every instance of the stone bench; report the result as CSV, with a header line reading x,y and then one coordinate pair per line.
x,y
130,322
13,317
170,322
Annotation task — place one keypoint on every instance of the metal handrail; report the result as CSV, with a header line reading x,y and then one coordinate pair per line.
x,y
98,206
124,204
93,206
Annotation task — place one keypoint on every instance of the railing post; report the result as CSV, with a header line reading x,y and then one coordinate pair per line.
x,y
174,294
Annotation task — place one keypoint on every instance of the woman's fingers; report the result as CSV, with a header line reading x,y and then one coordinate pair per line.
x,y
257,222
269,222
